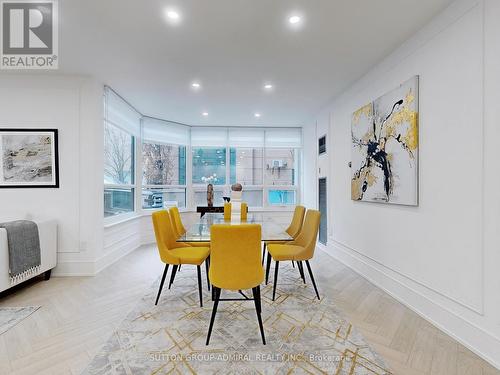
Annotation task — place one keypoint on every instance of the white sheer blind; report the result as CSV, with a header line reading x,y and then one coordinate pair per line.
x,y
208,137
160,131
121,114
253,138
284,138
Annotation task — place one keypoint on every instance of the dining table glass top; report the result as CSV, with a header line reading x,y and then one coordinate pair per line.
x,y
271,229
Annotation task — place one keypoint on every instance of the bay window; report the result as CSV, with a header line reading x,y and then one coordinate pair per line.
x,y
156,164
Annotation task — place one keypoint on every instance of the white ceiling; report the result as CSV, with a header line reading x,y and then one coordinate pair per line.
x,y
233,47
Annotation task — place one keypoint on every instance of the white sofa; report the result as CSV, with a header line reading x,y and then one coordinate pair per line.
x,y
48,246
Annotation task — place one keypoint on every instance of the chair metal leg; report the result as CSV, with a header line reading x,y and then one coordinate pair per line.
x,y
312,278
216,292
198,269
207,265
161,283
179,269
276,267
258,309
172,275
293,264
263,253
301,270
268,266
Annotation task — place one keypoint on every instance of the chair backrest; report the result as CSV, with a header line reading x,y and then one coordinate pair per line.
x,y
298,219
244,211
235,256
309,234
165,237
227,211
177,221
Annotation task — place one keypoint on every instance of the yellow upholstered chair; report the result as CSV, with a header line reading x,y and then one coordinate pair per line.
x,y
235,265
176,218
180,230
299,250
227,211
228,208
293,229
175,253
244,211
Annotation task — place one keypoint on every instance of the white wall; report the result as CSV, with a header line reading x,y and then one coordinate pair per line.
x,y
442,257
309,166
74,106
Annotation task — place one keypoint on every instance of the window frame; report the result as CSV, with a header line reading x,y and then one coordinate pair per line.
x,y
297,179
133,177
264,187
162,186
226,166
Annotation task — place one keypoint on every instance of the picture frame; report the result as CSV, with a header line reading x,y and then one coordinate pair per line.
x,y
385,147
29,158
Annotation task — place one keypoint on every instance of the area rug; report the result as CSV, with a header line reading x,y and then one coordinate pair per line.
x,y
10,316
303,335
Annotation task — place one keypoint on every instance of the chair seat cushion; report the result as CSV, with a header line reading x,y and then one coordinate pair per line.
x,y
285,252
191,255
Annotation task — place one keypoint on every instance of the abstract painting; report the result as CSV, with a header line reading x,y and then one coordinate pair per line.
x,y
28,158
384,166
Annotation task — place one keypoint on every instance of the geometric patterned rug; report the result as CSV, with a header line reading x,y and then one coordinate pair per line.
x,y
304,335
10,316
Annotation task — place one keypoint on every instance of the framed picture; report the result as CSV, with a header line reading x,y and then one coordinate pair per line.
x,y
385,148
29,158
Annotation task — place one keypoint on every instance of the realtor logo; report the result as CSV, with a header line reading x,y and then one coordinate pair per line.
x,y
29,34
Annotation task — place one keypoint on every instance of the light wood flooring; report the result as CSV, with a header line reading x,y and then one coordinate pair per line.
x,y
79,314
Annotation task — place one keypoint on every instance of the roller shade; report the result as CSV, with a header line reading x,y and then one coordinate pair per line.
x,y
208,137
121,114
253,138
284,138
160,131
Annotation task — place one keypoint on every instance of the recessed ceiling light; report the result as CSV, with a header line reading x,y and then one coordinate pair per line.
x,y
195,85
257,115
205,114
268,86
294,20
173,15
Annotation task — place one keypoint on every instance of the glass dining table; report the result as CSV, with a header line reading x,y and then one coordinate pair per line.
x,y
272,230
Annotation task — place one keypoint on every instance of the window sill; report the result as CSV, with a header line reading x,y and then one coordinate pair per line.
x,y
250,209
120,219
149,211
272,209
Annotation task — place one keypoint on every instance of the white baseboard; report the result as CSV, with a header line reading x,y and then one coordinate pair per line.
x,y
115,252
118,251
475,338
76,268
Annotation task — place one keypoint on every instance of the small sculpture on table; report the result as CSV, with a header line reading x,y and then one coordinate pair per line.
x,y
210,195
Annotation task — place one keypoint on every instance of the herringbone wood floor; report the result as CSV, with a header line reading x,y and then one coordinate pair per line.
x,y
79,314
